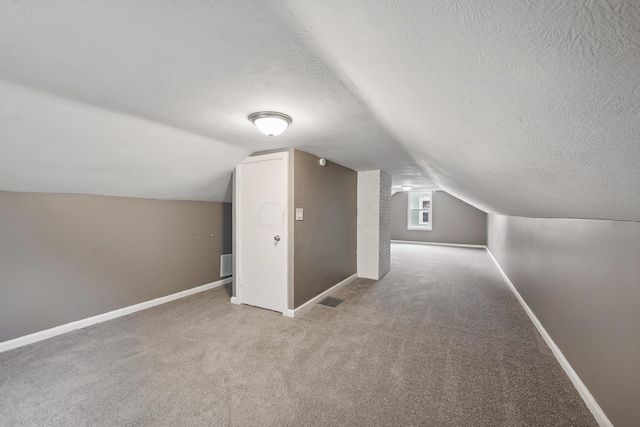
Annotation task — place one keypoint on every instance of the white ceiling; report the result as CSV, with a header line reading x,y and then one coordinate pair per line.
x,y
519,107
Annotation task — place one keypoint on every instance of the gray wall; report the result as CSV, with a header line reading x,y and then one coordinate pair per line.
x,y
325,242
69,257
454,221
582,280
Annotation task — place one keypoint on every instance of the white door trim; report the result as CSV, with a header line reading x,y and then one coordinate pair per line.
x,y
285,230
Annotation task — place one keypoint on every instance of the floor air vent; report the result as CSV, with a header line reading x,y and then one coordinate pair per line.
x,y
331,302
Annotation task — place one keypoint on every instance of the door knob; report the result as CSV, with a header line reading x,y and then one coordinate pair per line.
x,y
276,238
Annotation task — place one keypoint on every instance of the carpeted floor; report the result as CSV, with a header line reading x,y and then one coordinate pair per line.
x,y
440,341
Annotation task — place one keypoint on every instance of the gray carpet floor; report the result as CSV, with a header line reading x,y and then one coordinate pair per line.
x,y
439,341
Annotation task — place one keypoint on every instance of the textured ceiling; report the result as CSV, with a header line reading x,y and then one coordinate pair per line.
x,y
519,107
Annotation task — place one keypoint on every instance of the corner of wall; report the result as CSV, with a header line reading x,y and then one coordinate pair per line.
x,y
374,224
328,195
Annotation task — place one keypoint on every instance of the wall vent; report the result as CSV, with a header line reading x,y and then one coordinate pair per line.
x,y
226,265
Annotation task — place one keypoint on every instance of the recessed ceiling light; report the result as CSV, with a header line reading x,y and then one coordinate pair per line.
x,y
270,123
406,187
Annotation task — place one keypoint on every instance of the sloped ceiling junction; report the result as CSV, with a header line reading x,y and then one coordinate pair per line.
x,y
519,107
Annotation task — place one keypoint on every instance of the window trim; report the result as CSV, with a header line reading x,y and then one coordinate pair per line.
x,y
428,227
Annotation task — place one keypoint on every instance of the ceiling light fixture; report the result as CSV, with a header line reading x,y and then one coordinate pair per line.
x,y
406,187
270,123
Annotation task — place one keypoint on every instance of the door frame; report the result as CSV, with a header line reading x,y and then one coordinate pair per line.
x,y
286,235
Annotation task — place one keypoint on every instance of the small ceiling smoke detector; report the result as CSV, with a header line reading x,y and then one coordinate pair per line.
x,y
270,123
406,187
323,161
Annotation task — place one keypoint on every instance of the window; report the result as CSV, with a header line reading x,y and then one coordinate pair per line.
x,y
419,210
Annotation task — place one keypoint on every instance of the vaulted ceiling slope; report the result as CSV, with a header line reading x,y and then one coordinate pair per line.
x,y
197,66
519,107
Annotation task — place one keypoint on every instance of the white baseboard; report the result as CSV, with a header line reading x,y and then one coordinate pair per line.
x,y
458,245
234,300
83,323
313,301
588,398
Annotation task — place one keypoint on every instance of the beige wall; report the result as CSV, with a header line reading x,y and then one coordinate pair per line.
x,y
454,221
581,278
69,257
325,242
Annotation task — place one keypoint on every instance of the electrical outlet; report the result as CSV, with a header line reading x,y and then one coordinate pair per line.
x,y
299,214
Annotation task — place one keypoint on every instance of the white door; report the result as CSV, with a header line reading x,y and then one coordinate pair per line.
x,y
261,212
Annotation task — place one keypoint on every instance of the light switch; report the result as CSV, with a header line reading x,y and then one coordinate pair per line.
x,y
299,214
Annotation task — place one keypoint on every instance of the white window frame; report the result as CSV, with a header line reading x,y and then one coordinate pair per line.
x,y
421,226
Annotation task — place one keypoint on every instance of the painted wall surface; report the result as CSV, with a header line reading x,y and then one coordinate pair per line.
x,y
325,241
581,278
454,221
368,246
374,224
68,257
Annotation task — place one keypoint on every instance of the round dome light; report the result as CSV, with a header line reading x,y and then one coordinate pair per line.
x,y
270,123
